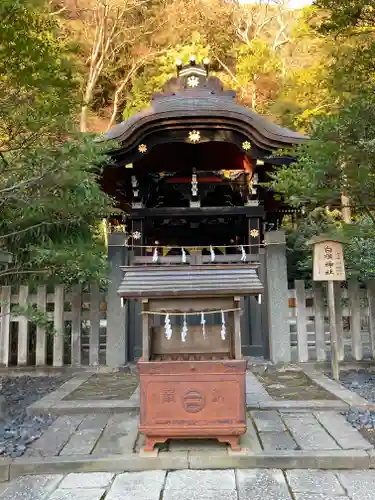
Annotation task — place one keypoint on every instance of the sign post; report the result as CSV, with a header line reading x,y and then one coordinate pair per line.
x,y
329,266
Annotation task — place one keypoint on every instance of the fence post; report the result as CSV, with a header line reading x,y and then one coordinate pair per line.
x,y
339,327
23,324
94,341
277,297
41,339
319,315
76,325
355,319
5,325
302,347
58,325
371,307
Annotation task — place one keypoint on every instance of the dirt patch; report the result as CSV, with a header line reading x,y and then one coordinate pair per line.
x,y
106,386
292,385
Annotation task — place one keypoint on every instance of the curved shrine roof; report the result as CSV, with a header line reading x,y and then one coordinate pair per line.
x,y
193,100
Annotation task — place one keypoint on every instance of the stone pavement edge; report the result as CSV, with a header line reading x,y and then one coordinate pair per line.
x,y
230,484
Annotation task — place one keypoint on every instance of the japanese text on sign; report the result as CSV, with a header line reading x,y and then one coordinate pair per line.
x,y
329,261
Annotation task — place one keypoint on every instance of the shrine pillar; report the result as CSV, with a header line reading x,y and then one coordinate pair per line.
x,y
277,297
116,349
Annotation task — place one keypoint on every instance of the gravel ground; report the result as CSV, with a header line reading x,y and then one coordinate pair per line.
x,y
363,383
19,430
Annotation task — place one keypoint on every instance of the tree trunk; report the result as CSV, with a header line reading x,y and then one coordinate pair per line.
x,y
83,122
345,209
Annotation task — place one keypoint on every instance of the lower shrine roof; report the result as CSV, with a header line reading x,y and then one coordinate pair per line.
x,y
189,281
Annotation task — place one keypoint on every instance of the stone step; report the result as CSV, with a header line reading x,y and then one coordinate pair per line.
x,y
131,462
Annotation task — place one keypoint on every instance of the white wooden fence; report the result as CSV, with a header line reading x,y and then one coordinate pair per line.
x,y
355,319
78,322
76,336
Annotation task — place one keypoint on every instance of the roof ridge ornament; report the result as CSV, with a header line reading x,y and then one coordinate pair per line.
x,y
192,67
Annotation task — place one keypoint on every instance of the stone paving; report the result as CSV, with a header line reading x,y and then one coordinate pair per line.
x,y
279,434
245,484
101,434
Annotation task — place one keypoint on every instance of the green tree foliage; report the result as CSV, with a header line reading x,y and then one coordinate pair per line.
x,y
347,16
49,196
339,159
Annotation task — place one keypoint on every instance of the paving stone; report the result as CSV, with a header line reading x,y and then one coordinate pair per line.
x,y
83,407
200,480
284,459
268,421
313,496
250,440
255,484
89,494
4,469
199,495
119,436
313,404
350,397
82,442
55,438
109,463
137,486
308,433
87,480
255,392
136,396
277,441
95,421
341,430
314,481
359,484
31,487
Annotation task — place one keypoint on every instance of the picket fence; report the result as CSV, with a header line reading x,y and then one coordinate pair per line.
x,y
77,335
78,321
355,320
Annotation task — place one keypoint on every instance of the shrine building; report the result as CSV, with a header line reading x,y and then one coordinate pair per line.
x,y
188,175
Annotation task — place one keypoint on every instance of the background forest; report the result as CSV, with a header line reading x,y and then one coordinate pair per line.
x,y
73,68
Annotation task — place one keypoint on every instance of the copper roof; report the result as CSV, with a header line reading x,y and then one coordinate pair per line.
x,y
189,281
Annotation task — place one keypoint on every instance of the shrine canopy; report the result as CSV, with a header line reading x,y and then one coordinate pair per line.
x,y
191,281
194,108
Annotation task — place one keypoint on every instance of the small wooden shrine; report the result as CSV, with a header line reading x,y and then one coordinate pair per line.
x,y
188,174
192,378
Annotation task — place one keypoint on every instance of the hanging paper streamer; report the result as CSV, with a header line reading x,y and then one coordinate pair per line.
x,y
155,256
122,302
167,327
223,329
259,299
183,255
203,323
184,330
213,256
243,258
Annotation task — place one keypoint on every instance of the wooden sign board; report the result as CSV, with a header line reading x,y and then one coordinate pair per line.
x,y
329,261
